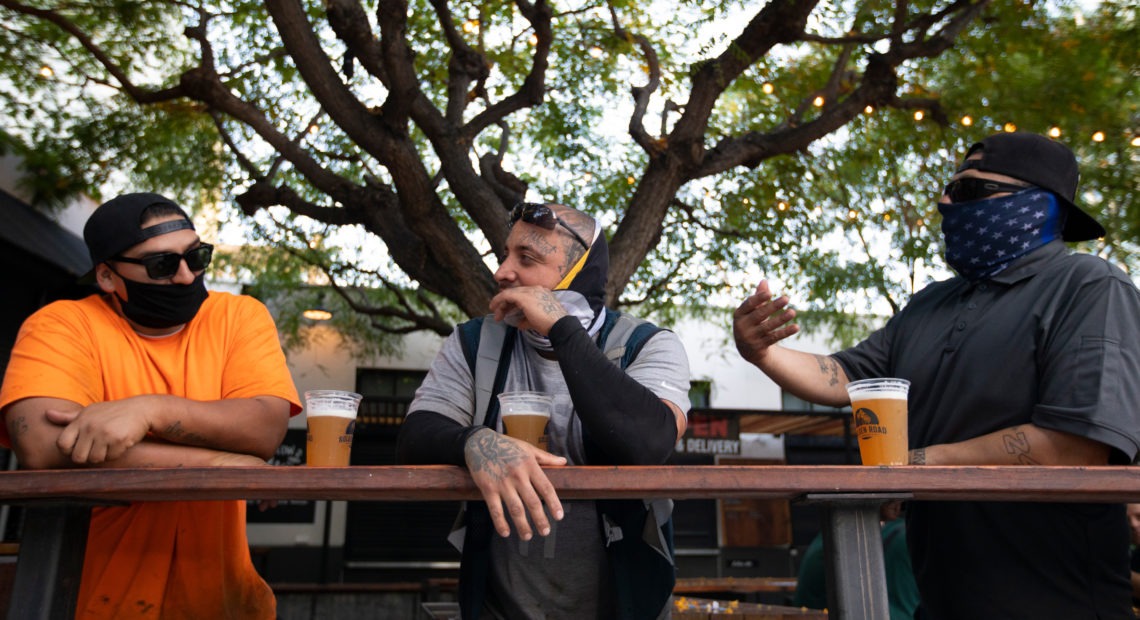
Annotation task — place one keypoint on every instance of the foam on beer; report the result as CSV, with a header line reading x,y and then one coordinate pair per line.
x,y
331,412
877,392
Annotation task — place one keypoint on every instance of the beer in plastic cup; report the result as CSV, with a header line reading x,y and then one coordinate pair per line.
x,y
331,418
525,415
879,407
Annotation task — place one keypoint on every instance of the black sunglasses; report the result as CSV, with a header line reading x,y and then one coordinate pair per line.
x,y
543,217
974,188
163,266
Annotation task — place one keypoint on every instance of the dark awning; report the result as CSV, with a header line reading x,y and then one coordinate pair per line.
x,y
35,233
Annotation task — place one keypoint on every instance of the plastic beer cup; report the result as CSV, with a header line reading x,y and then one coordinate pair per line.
x,y
525,415
331,418
879,407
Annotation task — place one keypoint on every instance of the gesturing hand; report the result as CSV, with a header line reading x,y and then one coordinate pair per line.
x,y
761,322
509,474
102,431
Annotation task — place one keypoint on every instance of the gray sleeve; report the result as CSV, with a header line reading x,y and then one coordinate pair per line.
x,y
448,388
662,366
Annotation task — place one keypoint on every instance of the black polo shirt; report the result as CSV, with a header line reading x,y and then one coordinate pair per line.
x,y
1054,341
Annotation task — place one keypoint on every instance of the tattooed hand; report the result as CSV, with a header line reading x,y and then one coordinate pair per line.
x,y
533,307
510,476
761,322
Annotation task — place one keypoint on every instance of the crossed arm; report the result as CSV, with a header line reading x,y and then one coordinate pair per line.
x,y
146,431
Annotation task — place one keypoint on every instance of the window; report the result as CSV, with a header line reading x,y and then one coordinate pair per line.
x,y
700,393
387,394
788,402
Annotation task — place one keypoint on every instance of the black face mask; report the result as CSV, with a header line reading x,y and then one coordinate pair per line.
x,y
162,305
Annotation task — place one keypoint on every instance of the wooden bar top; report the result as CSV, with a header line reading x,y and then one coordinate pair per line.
x,y
444,482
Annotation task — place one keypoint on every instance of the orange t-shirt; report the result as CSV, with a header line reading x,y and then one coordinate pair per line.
x,y
158,559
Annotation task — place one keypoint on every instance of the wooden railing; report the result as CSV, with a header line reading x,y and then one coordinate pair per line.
x,y
59,500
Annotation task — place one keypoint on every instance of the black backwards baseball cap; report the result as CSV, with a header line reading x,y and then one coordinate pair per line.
x,y
1046,163
116,226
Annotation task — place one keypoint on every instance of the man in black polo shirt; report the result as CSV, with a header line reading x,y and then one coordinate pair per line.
x,y
1030,355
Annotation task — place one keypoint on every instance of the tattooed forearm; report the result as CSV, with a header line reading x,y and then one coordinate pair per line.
x,y
918,456
490,453
17,427
1017,445
829,367
177,434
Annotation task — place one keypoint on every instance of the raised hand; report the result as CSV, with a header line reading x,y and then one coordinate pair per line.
x,y
760,322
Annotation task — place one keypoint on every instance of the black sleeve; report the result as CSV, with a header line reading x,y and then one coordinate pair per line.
x,y
626,419
430,438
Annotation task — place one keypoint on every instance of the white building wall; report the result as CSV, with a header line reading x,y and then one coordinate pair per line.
x,y
736,384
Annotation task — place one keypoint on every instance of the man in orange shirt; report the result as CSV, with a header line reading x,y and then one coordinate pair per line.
x,y
156,372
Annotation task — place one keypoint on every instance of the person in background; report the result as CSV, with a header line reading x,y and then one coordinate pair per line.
x,y
1028,356
902,591
153,372
1134,536
595,559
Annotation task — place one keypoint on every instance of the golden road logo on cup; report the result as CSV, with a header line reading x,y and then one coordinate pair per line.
x,y
879,410
867,423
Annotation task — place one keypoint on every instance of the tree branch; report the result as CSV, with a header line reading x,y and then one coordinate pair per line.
x,y
641,94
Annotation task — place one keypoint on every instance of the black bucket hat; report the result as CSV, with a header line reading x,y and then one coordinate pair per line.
x,y
116,226
1046,163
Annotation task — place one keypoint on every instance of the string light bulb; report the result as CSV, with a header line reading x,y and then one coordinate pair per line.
x,y
768,88
818,101
869,109
46,71
919,115
1054,132
967,120
1009,128
1098,136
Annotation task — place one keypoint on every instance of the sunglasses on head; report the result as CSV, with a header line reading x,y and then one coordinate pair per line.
x,y
974,188
543,217
163,266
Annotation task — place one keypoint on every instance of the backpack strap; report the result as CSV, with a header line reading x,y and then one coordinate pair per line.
x,y
487,347
628,335
488,363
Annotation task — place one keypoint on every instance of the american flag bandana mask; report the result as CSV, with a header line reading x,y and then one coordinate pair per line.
x,y
984,236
